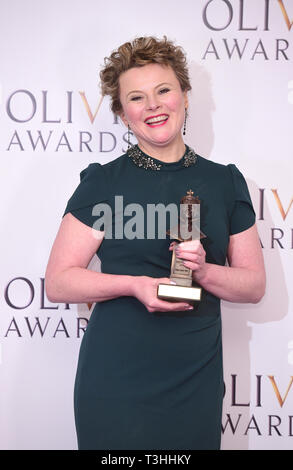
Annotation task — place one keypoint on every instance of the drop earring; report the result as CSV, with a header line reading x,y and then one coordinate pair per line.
x,y
184,125
128,137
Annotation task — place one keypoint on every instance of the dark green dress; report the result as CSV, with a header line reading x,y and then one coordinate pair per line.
x,y
154,380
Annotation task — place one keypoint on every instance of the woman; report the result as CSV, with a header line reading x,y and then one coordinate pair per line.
x,y
150,371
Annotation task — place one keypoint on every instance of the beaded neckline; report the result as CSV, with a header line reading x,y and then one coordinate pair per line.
x,y
143,160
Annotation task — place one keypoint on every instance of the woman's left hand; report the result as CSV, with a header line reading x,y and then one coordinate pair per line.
x,y
193,256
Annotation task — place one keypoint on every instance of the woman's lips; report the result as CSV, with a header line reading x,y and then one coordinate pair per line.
x,y
154,121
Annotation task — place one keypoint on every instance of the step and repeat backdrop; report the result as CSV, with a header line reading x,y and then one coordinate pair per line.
x,y
54,122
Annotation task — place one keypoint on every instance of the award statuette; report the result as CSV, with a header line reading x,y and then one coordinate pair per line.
x,y
188,229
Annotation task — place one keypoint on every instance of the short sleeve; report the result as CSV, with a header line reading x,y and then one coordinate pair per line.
x,y
91,191
243,215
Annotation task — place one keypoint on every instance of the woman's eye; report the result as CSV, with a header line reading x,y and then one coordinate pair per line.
x,y
164,90
135,98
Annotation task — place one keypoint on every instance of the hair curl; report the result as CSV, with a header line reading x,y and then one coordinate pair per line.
x,y
141,51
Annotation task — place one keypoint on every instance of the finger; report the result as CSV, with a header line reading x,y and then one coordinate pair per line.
x,y
192,266
192,244
192,257
179,307
186,252
165,306
172,245
197,251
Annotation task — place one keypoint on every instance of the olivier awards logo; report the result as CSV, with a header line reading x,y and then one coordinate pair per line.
x,y
267,395
252,27
43,121
33,317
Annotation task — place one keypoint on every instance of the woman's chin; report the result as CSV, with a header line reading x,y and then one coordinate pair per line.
x,y
164,139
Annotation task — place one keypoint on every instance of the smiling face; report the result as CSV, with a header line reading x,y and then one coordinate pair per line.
x,y
153,105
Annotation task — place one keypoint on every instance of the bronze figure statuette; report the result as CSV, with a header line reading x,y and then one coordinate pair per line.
x,y
188,228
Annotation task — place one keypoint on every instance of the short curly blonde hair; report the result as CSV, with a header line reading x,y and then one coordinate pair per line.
x,y
141,51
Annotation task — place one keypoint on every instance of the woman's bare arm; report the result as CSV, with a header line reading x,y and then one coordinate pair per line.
x,y
68,279
242,281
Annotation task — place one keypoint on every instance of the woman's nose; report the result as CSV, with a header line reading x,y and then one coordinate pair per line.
x,y
152,103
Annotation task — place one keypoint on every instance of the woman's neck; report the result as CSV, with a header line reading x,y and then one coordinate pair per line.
x,y
166,153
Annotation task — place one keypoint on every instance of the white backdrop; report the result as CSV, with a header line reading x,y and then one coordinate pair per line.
x,y
53,123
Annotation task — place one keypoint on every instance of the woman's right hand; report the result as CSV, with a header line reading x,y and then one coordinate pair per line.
x,y
145,290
